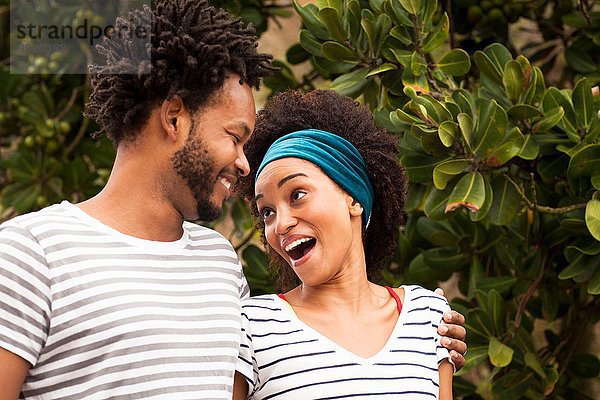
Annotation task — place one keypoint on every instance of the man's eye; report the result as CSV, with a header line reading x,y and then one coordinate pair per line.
x,y
297,195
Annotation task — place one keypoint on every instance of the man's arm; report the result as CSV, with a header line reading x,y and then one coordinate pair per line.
x,y
454,335
13,370
445,371
240,387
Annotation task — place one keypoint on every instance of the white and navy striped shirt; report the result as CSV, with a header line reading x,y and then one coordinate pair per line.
x,y
283,358
99,314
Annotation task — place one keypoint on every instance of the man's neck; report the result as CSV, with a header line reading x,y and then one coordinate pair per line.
x,y
133,203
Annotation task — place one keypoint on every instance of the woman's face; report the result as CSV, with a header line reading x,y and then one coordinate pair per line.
x,y
309,220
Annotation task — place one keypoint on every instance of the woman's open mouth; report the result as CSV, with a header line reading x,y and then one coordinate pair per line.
x,y
300,247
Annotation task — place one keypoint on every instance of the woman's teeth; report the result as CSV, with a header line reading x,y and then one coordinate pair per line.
x,y
295,244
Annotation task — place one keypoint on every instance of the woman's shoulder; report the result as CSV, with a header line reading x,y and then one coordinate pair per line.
x,y
420,294
261,305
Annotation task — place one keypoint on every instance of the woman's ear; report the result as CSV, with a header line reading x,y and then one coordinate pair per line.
x,y
355,208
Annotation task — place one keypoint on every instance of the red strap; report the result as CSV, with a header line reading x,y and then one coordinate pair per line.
x,y
282,296
395,296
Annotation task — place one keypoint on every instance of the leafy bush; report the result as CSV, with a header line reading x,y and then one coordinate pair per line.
x,y
505,184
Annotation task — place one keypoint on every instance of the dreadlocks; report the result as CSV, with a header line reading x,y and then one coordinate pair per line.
x,y
193,48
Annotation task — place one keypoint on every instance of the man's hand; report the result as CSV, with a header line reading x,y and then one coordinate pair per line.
x,y
454,335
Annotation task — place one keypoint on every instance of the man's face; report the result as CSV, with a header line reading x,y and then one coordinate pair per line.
x,y
212,157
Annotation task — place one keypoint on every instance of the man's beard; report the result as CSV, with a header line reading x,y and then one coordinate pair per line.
x,y
194,164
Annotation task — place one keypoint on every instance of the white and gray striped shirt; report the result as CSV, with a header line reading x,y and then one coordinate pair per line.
x,y
283,358
99,314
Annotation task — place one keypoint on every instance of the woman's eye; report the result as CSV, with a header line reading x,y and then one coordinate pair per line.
x,y
266,213
297,195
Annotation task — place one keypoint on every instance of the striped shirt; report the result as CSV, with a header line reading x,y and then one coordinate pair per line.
x,y
283,358
99,314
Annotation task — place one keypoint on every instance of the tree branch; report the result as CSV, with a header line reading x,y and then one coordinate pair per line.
x,y
544,209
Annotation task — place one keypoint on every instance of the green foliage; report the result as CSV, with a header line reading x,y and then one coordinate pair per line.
x,y
504,182
258,12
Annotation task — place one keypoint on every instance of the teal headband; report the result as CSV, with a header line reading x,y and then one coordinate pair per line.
x,y
336,157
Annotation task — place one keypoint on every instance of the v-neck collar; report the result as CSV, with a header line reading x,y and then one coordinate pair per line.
x,y
340,350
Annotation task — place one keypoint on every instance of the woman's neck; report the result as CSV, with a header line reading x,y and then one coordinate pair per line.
x,y
350,293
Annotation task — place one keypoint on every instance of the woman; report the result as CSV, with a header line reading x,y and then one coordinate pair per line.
x,y
330,201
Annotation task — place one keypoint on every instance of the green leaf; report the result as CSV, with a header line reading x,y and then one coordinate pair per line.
x,y
579,60
382,68
437,36
533,361
412,6
523,111
596,182
324,66
337,52
490,127
495,308
310,43
353,16
594,283
469,192
418,83
487,67
448,132
478,322
435,108
401,15
35,101
456,62
592,217
466,129
500,354
581,267
436,203
336,4
447,170
465,101
448,258
475,356
513,80
500,155
309,17
418,270
439,233
407,118
419,168
241,216
487,204
583,102
404,57
296,54
584,365
500,283
418,64
553,99
537,87
551,119
586,162
498,54
402,35
529,149
352,83
507,202
331,19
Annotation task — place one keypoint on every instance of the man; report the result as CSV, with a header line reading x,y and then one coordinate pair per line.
x,y
118,296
